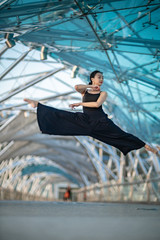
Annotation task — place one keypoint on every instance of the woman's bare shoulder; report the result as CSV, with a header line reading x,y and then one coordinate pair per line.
x,y
104,93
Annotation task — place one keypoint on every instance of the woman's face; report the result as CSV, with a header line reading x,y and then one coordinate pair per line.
x,y
98,79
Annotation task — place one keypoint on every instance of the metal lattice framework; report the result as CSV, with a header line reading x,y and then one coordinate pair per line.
x,y
119,38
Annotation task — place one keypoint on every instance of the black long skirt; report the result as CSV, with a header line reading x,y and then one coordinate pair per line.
x,y
60,122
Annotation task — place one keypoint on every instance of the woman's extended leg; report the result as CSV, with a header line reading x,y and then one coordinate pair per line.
x,y
108,132
56,121
33,103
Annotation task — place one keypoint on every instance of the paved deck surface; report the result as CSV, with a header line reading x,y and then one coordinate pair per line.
x,y
24,220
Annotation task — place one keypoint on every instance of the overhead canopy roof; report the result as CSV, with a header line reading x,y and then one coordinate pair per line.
x,y
119,38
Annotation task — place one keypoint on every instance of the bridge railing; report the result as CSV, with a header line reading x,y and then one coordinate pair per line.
x,y
8,194
139,191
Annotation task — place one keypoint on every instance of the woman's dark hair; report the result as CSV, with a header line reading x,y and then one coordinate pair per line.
x,y
92,75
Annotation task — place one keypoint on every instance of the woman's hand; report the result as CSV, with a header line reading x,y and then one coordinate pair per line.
x,y
95,88
73,105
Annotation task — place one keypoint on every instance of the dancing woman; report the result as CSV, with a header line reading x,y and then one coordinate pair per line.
x,y
92,122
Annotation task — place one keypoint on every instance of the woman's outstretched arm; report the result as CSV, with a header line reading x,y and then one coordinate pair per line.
x,y
81,88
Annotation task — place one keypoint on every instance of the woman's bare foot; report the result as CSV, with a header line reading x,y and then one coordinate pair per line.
x,y
33,103
151,149
158,147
